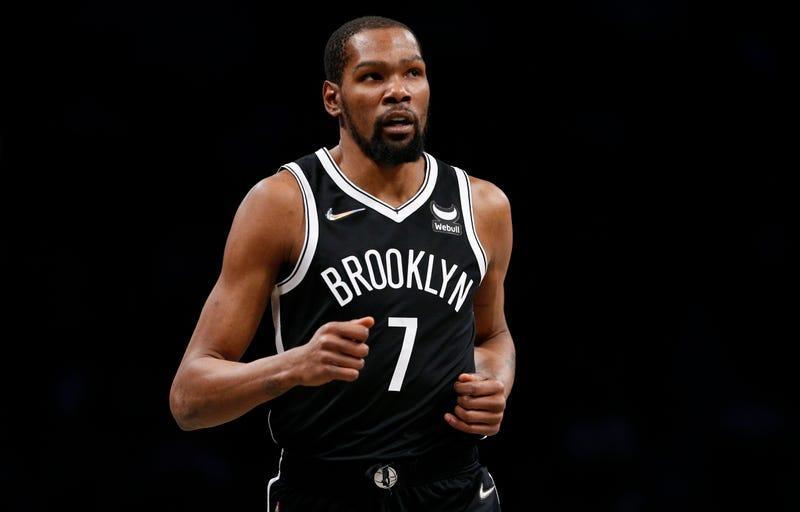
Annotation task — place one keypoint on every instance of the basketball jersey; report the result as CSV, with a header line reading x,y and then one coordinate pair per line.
x,y
415,268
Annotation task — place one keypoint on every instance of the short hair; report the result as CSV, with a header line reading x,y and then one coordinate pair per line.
x,y
335,48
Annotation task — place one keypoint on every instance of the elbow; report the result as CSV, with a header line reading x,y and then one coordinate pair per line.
x,y
180,408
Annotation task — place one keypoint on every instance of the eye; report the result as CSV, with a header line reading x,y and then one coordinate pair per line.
x,y
373,75
415,71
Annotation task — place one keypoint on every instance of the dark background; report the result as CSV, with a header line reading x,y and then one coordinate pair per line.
x,y
641,145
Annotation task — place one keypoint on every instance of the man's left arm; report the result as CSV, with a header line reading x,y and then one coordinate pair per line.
x,y
482,395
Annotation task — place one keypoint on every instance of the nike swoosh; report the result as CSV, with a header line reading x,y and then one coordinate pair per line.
x,y
485,494
336,216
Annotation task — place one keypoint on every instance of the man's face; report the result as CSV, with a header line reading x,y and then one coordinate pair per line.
x,y
385,95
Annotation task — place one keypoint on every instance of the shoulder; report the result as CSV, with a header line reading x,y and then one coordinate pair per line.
x,y
274,199
276,192
488,199
491,210
486,196
269,207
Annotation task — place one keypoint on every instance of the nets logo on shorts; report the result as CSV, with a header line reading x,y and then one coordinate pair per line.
x,y
385,477
444,219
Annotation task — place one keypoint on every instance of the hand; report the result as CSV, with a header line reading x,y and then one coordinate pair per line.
x,y
335,352
480,407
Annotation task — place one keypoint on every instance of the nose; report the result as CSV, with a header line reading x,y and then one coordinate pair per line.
x,y
396,91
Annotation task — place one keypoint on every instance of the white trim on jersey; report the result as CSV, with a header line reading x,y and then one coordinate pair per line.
x,y
306,253
397,214
275,301
269,424
273,480
311,232
465,192
496,492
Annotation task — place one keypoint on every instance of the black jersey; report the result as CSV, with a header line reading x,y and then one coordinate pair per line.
x,y
415,269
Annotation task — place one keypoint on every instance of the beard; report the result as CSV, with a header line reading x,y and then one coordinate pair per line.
x,y
385,151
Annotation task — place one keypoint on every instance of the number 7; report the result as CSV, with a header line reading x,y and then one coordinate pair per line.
x,y
410,323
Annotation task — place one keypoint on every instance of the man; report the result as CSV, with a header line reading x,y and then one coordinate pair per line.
x,y
384,268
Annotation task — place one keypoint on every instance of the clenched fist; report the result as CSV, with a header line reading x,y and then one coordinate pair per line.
x,y
335,352
480,407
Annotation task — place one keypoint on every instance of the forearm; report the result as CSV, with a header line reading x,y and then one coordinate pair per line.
x,y
496,357
209,391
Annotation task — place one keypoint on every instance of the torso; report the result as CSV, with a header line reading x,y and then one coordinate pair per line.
x,y
414,267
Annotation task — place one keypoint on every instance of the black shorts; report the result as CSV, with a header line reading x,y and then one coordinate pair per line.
x,y
447,484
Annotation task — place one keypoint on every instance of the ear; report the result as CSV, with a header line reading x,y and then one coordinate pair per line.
x,y
332,98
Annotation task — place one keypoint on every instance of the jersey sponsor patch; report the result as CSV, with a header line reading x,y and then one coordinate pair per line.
x,y
445,219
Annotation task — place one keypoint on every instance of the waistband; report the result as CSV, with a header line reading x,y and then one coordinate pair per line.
x,y
381,475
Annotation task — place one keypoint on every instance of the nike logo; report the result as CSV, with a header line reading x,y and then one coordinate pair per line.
x,y
485,494
336,216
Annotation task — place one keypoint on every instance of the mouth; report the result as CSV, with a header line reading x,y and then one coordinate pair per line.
x,y
399,128
399,123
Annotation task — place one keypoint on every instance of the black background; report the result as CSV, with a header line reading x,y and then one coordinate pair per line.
x,y
642,146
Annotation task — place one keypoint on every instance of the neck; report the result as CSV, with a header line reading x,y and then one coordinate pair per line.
x,y
392,184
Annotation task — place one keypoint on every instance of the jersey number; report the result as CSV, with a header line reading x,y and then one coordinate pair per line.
x,y
410,325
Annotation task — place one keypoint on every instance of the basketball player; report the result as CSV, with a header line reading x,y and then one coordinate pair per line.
x,y
384,269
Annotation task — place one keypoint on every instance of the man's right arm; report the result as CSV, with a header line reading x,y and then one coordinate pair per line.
x,y
211,386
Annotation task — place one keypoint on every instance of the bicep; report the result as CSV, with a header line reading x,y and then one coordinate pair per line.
x,y
489,301
254,251
230,315
489,307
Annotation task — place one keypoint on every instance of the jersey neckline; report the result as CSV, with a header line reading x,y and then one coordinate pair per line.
x,y
397,214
